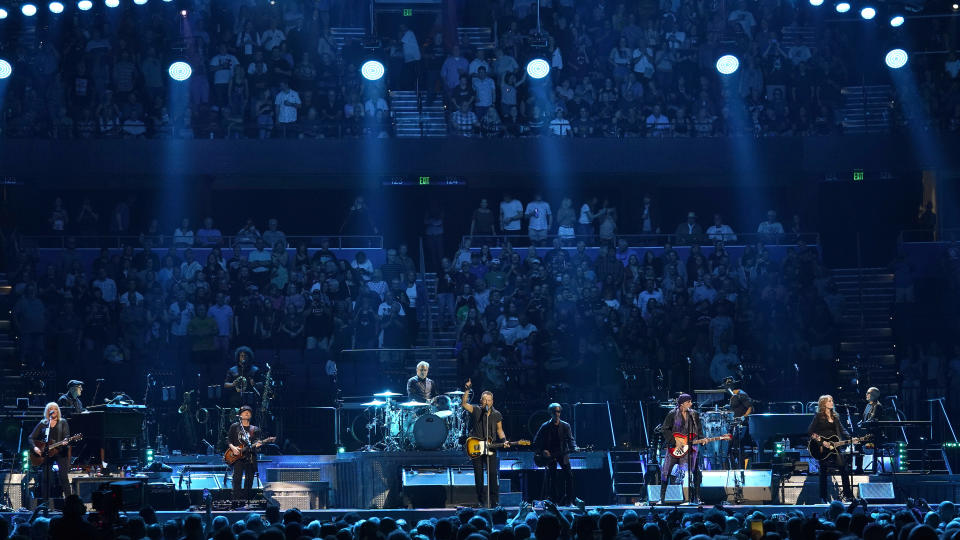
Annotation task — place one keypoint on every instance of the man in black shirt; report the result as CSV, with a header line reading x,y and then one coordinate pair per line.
x,y
682,420
50,430
243,434
487,426
419,387
70,401
239,385
874,409
553,443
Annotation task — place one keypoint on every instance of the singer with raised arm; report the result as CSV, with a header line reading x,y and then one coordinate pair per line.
x,y
488,428
242,439
48,432
827,436
679,430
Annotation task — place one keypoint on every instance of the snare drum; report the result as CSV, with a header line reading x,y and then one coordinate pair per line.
x,y
715,424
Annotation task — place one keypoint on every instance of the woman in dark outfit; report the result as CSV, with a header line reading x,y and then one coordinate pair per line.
x,y
825,424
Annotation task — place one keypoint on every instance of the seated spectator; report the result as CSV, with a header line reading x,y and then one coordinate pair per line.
x,y
689,232
208,235
463,120
771,229
560,126
273,236
720,231
183,235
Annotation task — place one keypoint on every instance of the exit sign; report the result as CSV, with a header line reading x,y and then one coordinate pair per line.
x,y
857,175
407,12
424,180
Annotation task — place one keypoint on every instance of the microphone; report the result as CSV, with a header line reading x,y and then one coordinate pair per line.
x,y
100,380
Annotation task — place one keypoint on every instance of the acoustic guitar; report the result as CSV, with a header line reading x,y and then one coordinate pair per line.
x,y
230,458
828,446
51,449
477,447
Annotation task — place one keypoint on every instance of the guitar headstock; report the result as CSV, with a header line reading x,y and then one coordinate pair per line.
x,y
522,442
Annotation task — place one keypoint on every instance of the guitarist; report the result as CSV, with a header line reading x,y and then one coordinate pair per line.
x,y
682,419
487,426
553,443
826,424
241,435
52,429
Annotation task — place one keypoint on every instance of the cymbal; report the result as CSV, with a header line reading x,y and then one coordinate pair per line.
x,y
387,394
374,403
414,404
455,393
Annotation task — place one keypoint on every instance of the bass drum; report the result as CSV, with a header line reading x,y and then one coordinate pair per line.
x,y
429,432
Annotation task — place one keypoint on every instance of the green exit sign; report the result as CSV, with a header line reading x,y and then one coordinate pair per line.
x,y
857,175
407,12
424,180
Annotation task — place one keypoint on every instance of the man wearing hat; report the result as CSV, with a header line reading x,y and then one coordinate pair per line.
x,y
70,401
240,435
685,420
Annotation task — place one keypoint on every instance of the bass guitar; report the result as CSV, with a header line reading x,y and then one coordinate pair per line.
x,y
683,443
477,447
828,446
51,449
230,458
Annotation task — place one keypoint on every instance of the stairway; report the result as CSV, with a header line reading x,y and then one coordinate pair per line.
x,y
8,342
866,109
474,38
867,349
429,121
440,354
628,471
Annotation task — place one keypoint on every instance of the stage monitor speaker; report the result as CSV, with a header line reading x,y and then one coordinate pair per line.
x,y
592,425
163,496
294,474
674,493
877,491
463,490
84,486
129,493
426,487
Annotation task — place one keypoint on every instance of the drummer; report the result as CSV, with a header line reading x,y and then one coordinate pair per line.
x,y
419,387
740,402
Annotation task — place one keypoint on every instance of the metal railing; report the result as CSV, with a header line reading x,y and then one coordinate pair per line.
x,y
337,241
738,239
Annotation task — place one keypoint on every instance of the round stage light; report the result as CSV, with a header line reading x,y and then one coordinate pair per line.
x,y
728,64
3,14
28,9
897,20
180,71
5,69
868,13
896,59
538,68
85,5
112,3
816,3
843,7
55,8
372,70
139,2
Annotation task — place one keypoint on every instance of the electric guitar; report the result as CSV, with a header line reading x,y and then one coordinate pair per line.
x,y
683,443
828,446
477,447
230,458
49,450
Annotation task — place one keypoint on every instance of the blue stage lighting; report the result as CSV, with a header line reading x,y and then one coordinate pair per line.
x,y
816,3
139,2
843,7
538,68
5,69
896,58
28,9
180,71
56,8
728,64
897,20
372,70
85,5
868,13
112,3
3,13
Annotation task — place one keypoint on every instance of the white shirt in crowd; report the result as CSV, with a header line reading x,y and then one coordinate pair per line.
x,y
476,64
770,227
287,114
585,214
644,298
183,237
127,299
223,65
270,38
108,287
538,211
560,126
411,49
180,318
509,210
189,269
486,91
723,232
371,106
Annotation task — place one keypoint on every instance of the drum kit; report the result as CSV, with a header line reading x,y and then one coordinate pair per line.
x,y
395,426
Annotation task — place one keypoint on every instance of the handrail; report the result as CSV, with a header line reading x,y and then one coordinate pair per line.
x,y
640,239
337,241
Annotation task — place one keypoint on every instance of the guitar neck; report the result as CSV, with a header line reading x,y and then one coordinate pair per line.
x,y
707,440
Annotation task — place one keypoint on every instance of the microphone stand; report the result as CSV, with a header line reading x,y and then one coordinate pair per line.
x,y
486,458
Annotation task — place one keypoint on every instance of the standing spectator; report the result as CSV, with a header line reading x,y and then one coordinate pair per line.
x,y
202,332
260,262
511,214
689,232
454,67
222,314
566,220
287,104
107,286
720,231
120,219
483,223
539,219
222,66
771,230
485,90
178,317
59,218
411,55
433,234
271,38
273,236
585,220
87,218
